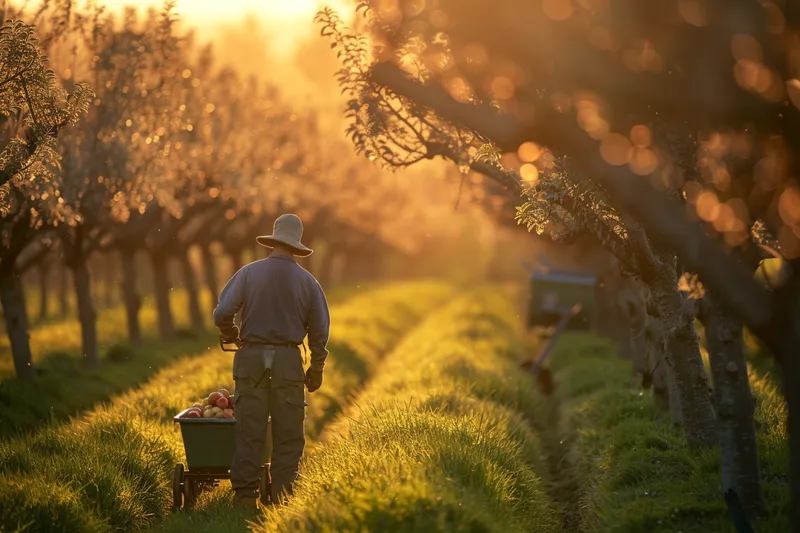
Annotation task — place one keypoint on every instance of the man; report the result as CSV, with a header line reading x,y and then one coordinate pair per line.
x,y
280,303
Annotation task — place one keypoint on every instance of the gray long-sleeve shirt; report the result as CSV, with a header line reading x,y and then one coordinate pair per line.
x,y
281,302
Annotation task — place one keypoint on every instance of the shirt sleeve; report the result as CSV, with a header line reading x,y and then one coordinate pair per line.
x,y
231,300
318,327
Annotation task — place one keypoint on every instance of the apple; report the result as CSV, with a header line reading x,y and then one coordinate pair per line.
x,y
226,414
198,406
213,397
193,414
228,411
225,393
208,413
206,401
216,410
197,410
223,403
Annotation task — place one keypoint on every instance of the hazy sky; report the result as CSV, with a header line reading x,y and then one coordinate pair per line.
x,y
210,9
286,20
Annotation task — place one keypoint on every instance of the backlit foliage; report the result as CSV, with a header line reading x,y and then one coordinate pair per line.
x,y
33,109
383,126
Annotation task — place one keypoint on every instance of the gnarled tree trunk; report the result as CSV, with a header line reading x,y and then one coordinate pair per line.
x,y
162,286
210,273
685,372
190,282
86,312
691,383
109,281
657,368
326,265
43,270
735,407
16,321
63,291
236,256
130,294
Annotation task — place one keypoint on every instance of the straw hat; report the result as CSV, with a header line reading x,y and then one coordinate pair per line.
x,y
287,230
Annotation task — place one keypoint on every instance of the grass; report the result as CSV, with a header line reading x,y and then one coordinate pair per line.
x,y
67,388
111,469
633,466
438,441
64,387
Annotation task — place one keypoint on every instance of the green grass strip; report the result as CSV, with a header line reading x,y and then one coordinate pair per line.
x,y
438,441
635,469
111,470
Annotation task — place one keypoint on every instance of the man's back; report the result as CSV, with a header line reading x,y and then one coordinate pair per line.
x,y
280,302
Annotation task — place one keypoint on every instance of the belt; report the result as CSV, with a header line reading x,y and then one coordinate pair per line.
x,y
272,344
279,345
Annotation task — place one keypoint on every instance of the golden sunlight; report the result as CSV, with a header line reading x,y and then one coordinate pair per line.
x,y
206,10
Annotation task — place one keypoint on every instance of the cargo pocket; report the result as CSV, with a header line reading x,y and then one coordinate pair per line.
x,y
295,394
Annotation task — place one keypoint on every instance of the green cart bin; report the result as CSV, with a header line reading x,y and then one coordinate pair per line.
x,y
209,445
553,294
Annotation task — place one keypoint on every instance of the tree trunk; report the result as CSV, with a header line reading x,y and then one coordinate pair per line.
x,y
86,312
130,294
656,366
190,282
210,274
63,291
109,282
686,374
673,395
735,407
623,333
44,273
326,265
166,326
691,383
236,256
16,324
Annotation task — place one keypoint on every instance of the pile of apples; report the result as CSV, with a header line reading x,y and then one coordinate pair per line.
x,y
218,404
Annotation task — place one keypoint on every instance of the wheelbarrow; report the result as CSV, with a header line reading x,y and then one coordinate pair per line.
x,y
209,445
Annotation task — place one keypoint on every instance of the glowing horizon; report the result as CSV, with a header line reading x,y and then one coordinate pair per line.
x,y
209,10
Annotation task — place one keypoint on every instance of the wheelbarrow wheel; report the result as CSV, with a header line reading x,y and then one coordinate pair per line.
x,y
177,486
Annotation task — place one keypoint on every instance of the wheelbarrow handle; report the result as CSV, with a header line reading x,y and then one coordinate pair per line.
x,y
228,346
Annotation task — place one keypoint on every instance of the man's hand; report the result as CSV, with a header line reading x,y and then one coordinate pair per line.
x,y
313,379
232,337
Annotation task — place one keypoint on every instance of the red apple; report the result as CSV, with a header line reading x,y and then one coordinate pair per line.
x,y
213,397
193,414
223,403
225,393
227,415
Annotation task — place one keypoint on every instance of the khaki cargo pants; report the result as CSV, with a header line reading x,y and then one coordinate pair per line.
x,y
261,392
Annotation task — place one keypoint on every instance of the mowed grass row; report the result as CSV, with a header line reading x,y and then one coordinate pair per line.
x,y
112,469
438,441
633,466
